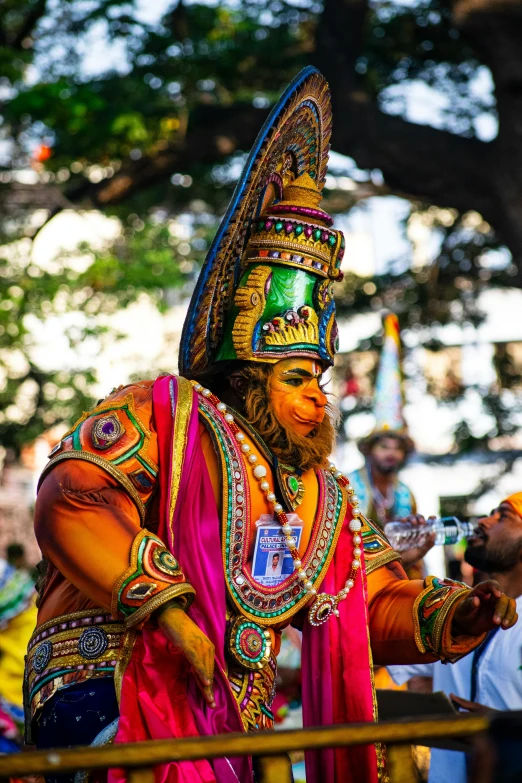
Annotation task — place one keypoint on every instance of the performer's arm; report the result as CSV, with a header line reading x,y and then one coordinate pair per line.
x,y
417,620
89,528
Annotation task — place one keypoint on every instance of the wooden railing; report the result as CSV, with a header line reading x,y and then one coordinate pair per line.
x,y
140,758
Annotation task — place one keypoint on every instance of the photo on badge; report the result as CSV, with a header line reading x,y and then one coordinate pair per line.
x,y
272,562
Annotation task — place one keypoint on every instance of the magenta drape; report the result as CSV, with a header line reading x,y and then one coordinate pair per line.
x,y
336,676
159,695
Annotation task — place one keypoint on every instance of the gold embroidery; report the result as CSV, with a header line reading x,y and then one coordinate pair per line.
x,y
380,748
125,655
183,589
438,628
184,402
254,693
133,557
304,247
68,649
250,300
142,570
379,560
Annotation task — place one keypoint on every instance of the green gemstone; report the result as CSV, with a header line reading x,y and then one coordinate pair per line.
x,y
278,226
331,240
261,225
317,234
293,484
298,230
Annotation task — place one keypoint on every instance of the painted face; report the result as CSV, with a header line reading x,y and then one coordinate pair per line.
x,y
297,399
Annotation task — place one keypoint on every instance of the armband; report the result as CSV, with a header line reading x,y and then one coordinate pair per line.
x,y
154,577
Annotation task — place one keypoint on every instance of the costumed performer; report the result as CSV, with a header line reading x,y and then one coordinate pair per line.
x,y
159,506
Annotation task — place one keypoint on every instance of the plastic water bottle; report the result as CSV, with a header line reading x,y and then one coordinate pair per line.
x,y
448,530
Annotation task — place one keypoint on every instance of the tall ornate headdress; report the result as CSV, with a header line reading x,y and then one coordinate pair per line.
x,y
388,400
265,290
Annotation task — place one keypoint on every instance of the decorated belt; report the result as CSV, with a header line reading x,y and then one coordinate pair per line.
x,y
70,649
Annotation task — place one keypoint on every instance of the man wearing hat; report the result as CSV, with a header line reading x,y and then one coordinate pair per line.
x,y
383,496
155,507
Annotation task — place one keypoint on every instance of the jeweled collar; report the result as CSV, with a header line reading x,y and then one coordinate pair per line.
x,y
268,605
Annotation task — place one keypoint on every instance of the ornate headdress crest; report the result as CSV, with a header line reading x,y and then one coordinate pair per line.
x,y
265,290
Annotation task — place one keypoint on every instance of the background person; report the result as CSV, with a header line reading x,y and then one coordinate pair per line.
x,y
383,496
490,678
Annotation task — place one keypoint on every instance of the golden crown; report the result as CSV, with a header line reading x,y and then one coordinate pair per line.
x,y
296,232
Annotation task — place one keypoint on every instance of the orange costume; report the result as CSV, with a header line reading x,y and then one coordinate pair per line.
x,y
154,495
93,513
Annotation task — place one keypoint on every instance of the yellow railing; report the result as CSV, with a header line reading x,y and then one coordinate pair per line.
x,y
140,758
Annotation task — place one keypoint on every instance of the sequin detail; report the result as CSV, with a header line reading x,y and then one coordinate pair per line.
x,y
92,643
42,656
106,431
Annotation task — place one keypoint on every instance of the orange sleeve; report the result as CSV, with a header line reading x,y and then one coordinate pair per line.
x,y
85,525
89,528
411,620
392,630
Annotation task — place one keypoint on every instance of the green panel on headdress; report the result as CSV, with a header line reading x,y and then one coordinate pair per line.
x,y
281,325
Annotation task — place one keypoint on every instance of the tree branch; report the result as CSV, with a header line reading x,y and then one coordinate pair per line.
x,y
416,160
339,42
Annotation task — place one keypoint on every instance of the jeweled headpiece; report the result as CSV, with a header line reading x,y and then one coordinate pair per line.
x,y
265,289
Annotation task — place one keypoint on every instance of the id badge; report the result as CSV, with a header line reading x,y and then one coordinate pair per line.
x,y
272,562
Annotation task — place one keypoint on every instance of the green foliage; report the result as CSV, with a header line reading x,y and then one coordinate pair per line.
x,y
147,258
420,42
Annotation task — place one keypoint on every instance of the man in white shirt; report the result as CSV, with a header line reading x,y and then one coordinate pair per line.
x,y
491,677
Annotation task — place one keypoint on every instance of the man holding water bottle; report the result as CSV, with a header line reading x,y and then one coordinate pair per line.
x,y
491,677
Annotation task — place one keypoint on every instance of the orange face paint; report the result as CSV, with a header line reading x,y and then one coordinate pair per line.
x,y
297,399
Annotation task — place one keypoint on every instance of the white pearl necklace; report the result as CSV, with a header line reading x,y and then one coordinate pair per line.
x,y
323,605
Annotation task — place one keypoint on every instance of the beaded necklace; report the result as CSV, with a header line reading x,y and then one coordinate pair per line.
x,y
323,605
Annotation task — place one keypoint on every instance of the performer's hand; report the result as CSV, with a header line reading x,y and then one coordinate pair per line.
x,y
416,553
485,608
470,706
195,646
